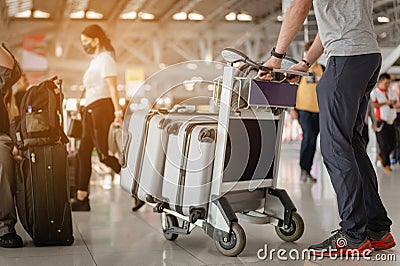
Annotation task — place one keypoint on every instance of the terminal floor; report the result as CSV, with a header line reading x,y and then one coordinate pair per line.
x,y
112,235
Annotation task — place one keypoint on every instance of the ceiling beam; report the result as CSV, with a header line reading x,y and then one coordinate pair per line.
x,y
187,55
175,7
118,8
231,4
389,60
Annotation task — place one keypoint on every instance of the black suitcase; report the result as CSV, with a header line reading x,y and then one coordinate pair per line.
x,y
73,173
43,195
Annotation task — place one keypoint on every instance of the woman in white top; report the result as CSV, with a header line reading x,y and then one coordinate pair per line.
x,y
100,110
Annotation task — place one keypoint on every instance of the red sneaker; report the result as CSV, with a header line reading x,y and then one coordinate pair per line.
x,y
341,244
381,240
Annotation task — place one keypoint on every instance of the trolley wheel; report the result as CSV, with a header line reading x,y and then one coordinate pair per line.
x,y
295,230
236,244
172,221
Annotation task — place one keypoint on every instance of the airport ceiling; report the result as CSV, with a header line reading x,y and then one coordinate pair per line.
x,y
154,33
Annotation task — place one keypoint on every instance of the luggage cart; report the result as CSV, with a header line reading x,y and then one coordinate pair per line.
x,y
230,203
258,200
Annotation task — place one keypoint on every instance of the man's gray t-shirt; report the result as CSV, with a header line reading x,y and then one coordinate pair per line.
x,y
346,27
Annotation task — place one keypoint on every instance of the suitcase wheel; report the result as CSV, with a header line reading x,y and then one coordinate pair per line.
x,y
196,214
172,221
295,230
235,245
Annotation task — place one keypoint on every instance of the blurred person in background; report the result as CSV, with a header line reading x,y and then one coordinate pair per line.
x,y
100,110
308,115
23,85
10,72
396,90
384,100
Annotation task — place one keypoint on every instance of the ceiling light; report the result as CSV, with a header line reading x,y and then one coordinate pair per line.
x,y
146,16
231,16
93,15
77,14
40,14
196,16
279,18
128,15
180,16
383,19
23,14
244,17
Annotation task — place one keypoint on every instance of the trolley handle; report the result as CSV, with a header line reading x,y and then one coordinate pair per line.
x,y
231,55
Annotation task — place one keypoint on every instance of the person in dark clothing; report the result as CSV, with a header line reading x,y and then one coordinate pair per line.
x,y
347,37
9,74
308,116
384,100
100,110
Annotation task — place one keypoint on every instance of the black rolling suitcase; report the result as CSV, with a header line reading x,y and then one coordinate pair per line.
x,y
43,195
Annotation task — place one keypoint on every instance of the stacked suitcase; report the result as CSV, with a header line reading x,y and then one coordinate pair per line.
x,y
43,195
188,167
170,158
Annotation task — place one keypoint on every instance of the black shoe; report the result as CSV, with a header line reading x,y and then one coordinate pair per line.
x,y
304,176
80,205
137,204
341,244
11,240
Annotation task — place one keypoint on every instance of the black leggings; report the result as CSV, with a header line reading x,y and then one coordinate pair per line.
x,y
387,142
96,120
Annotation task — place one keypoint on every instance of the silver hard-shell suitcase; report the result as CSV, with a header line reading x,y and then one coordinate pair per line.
x,y
145,145
188,166
155,142
134,128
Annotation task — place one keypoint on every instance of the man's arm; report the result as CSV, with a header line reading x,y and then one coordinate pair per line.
x,y
378,104
292,24
294,19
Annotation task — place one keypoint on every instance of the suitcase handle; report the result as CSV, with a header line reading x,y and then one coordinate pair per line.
x,y
207,135
173,129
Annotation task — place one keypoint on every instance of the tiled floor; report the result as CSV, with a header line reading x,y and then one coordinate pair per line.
x,y
112,235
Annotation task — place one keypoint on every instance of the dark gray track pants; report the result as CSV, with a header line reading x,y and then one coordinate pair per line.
x,y
343,95
8,216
